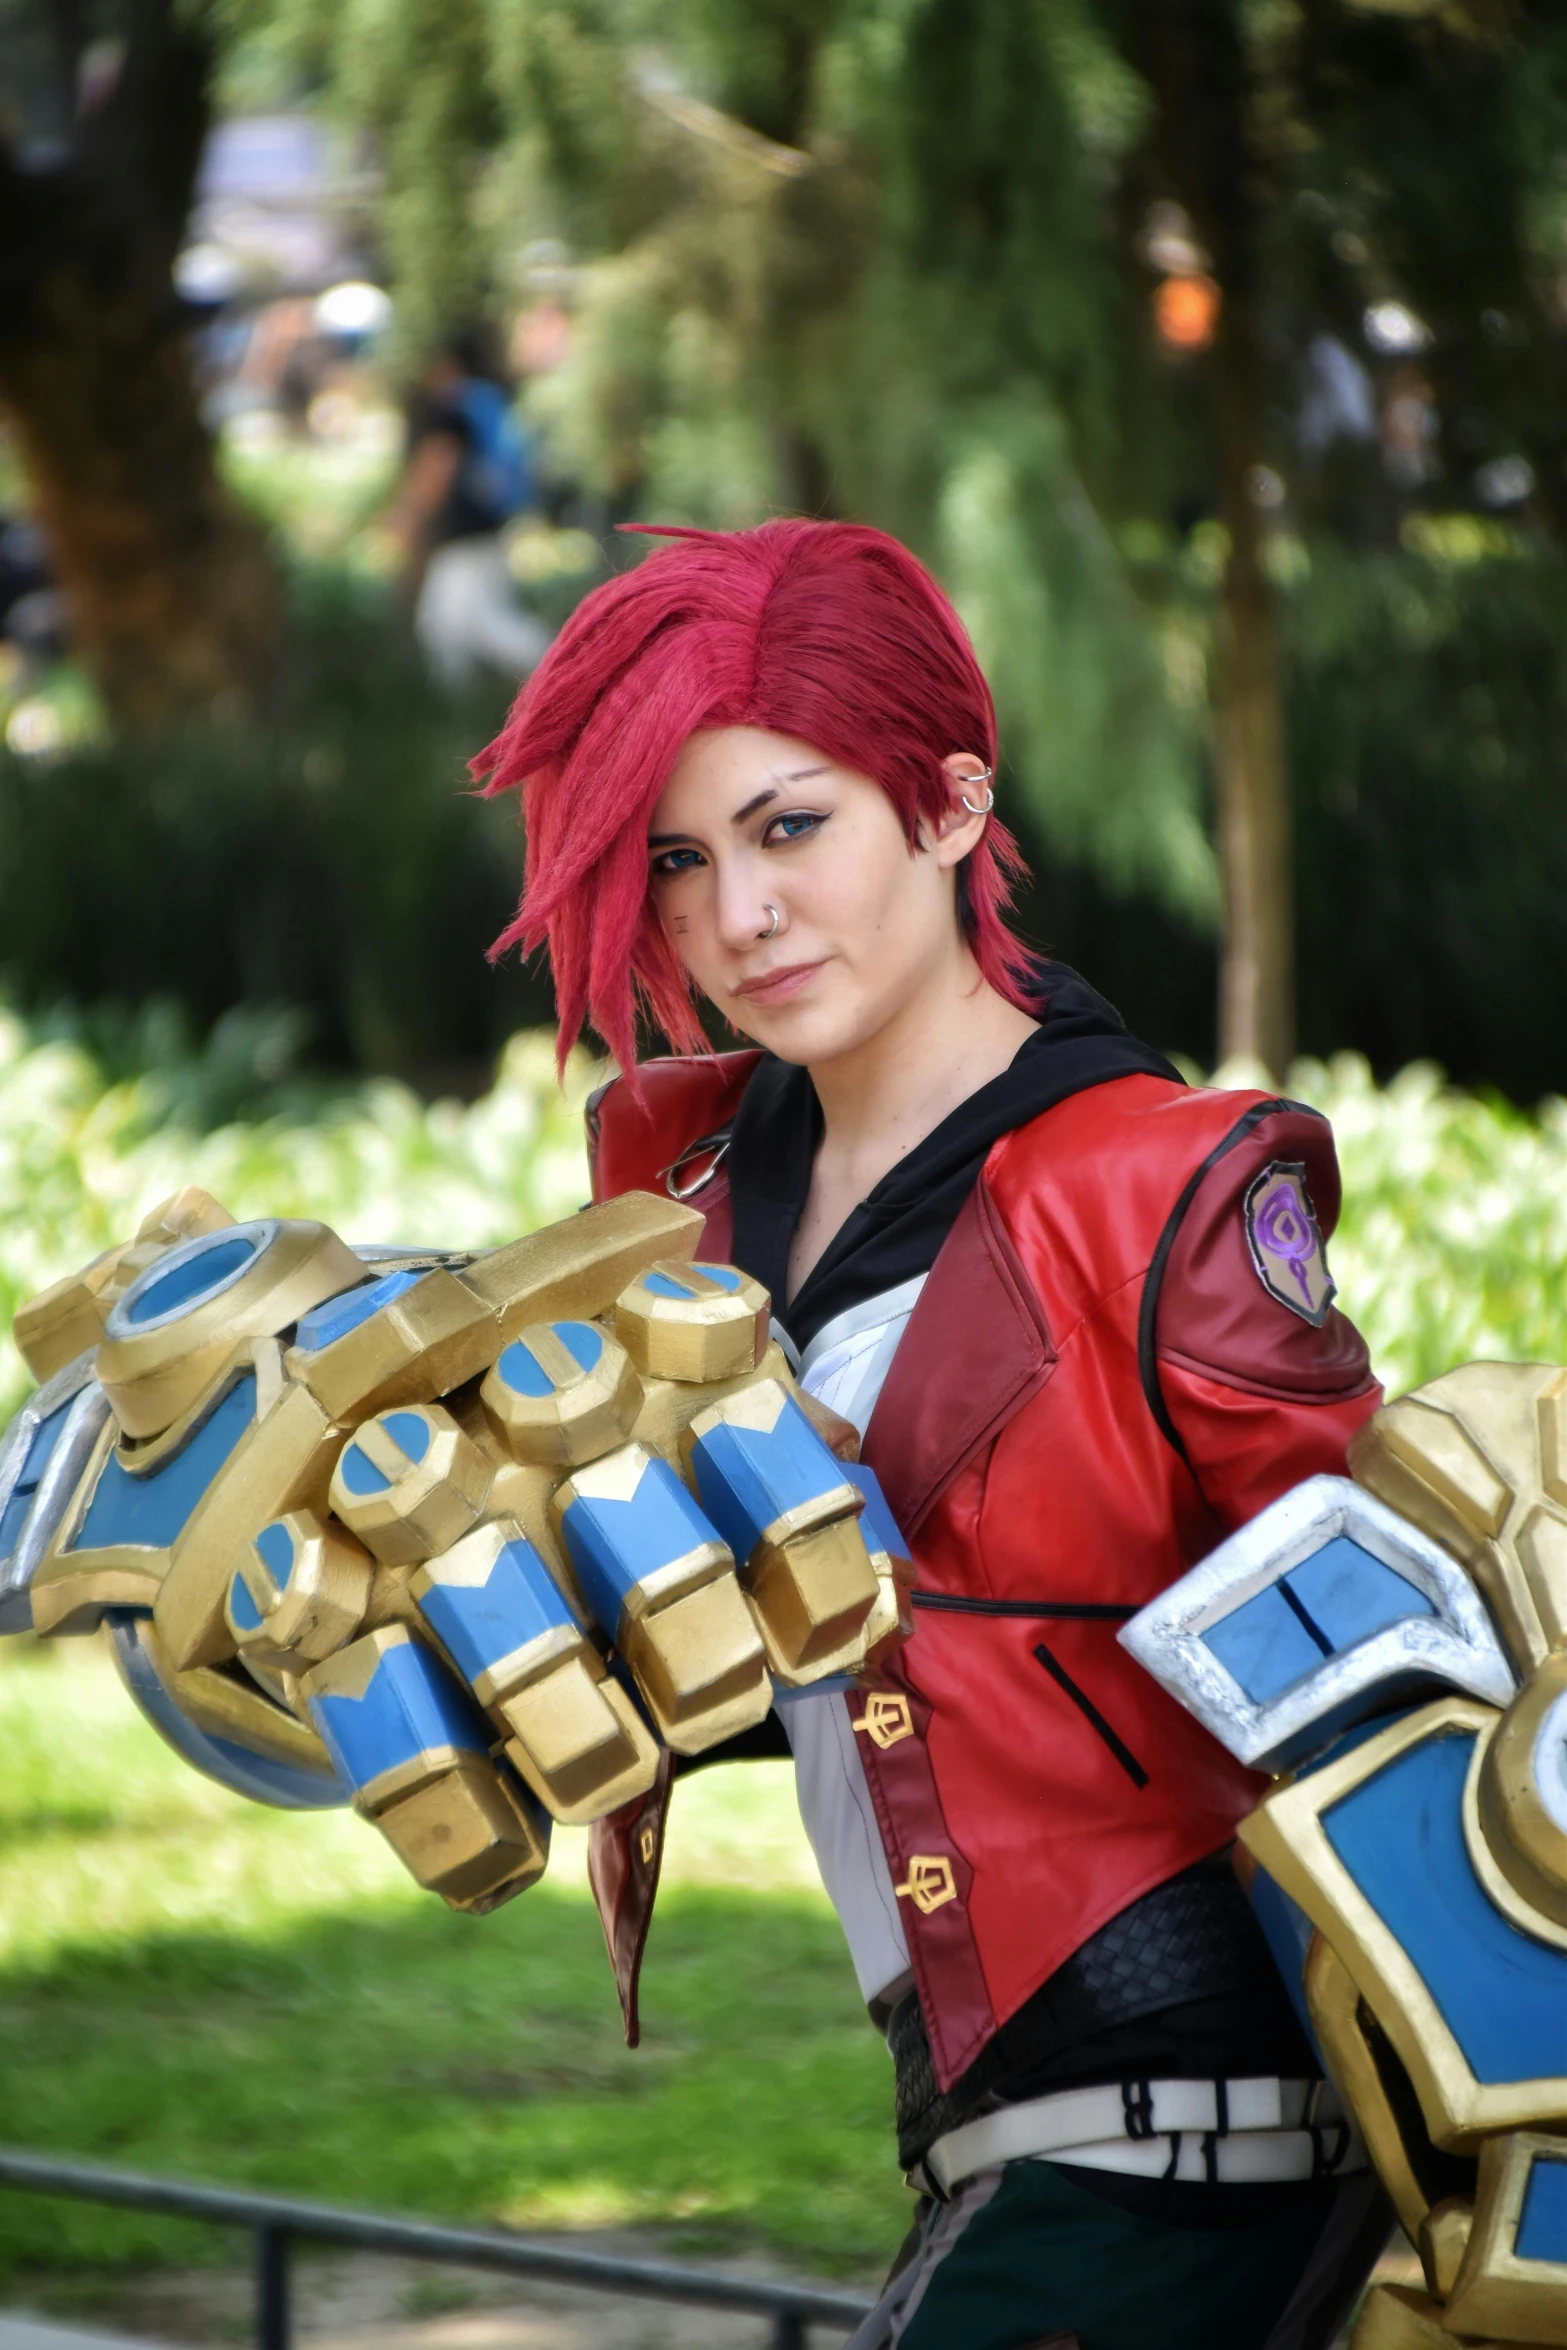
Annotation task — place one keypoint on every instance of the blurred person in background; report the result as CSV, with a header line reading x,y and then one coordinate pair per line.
x,y
285,361
468,474
540,338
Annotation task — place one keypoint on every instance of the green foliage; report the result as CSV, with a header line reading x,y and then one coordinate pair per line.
x,y
81,1162
330,859
1438,152
838,257
414,76
197,1985
319,498
1073,663
887,261
1428,710
892,259
823,306
1453,1243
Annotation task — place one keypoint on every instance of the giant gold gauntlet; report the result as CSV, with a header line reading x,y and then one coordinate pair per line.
x,y
464,1540
1395,1646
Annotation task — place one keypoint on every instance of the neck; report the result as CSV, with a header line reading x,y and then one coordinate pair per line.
x,y
882,1098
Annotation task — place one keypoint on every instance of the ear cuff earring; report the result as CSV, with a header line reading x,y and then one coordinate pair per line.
x,y
989,800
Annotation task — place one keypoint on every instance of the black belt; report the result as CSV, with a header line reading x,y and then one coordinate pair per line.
x,y
1194,1937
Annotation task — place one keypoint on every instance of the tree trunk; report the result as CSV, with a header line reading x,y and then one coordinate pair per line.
x,y
174,602
1257,965
1204,146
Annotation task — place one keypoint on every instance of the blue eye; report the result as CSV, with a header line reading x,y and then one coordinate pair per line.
x,y
677,861
799,824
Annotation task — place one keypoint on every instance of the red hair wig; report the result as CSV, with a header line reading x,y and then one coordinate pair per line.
x,y
825,631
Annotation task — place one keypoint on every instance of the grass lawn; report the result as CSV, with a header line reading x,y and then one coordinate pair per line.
x,y
193,1984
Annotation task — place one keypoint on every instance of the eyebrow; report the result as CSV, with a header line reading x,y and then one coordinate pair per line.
x,y
668,840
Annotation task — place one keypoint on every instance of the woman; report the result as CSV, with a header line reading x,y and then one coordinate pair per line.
x,y
1081,1317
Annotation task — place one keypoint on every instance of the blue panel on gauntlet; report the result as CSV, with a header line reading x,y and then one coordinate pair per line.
x,y
790,1516
884,1537
481,1625
390,1715
324,1325
1324,1610
1334,1599
1542,2227
752,1481
618,1540
662,1584
153,1508
569,1730
1501,1993
520,1367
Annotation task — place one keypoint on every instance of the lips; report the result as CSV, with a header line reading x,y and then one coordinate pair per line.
x,y
776,987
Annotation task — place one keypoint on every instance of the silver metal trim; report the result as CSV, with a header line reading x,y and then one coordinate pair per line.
x,y
286,1786
1456,1648
713,1147
381,1257
30,1416
120,1323
56,1490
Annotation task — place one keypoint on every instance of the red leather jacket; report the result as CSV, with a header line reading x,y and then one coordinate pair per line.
x,y
1096,1386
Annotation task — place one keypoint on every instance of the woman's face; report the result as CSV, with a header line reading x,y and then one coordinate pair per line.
x,y
751,820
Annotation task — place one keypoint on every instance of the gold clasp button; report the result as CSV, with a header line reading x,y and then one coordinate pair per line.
x,y
886,1719
929,1883
649,1845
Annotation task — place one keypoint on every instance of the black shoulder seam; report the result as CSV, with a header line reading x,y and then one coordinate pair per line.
x,y
1153,1279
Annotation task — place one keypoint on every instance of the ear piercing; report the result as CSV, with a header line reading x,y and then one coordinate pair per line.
x,y
773,932
989,800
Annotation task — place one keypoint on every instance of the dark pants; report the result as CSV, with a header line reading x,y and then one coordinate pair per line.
x,y
1028,2252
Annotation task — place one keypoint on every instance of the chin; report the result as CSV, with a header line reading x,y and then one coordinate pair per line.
x,y
802,1033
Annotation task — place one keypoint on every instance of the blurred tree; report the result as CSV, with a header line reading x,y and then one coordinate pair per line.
x,y
1363,179
758,327
173,599
419,77
1091,301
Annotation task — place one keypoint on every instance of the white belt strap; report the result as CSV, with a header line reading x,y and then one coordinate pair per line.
x,y
1226,2130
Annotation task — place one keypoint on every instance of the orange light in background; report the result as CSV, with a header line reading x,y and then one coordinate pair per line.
x,y
1186,312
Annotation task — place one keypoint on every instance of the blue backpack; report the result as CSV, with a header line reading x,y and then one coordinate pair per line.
x,y
499,474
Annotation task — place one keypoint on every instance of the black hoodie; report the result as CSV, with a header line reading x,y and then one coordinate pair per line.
x,y
897,1230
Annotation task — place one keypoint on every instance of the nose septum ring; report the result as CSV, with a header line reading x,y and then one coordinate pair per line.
x,y
773,931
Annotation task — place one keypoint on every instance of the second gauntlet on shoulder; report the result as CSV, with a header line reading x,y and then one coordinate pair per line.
x,y
1395,1646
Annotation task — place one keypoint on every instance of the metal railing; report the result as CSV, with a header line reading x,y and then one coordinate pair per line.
x,y
275,2220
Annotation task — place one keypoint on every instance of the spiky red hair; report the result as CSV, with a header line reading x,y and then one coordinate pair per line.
x,y
825,631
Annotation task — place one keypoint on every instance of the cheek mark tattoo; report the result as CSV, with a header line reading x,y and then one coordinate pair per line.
x,y
681,922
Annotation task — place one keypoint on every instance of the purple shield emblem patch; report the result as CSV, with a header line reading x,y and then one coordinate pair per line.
x,y
1285,1244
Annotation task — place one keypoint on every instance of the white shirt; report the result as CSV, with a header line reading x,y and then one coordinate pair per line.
x,y
844,1367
